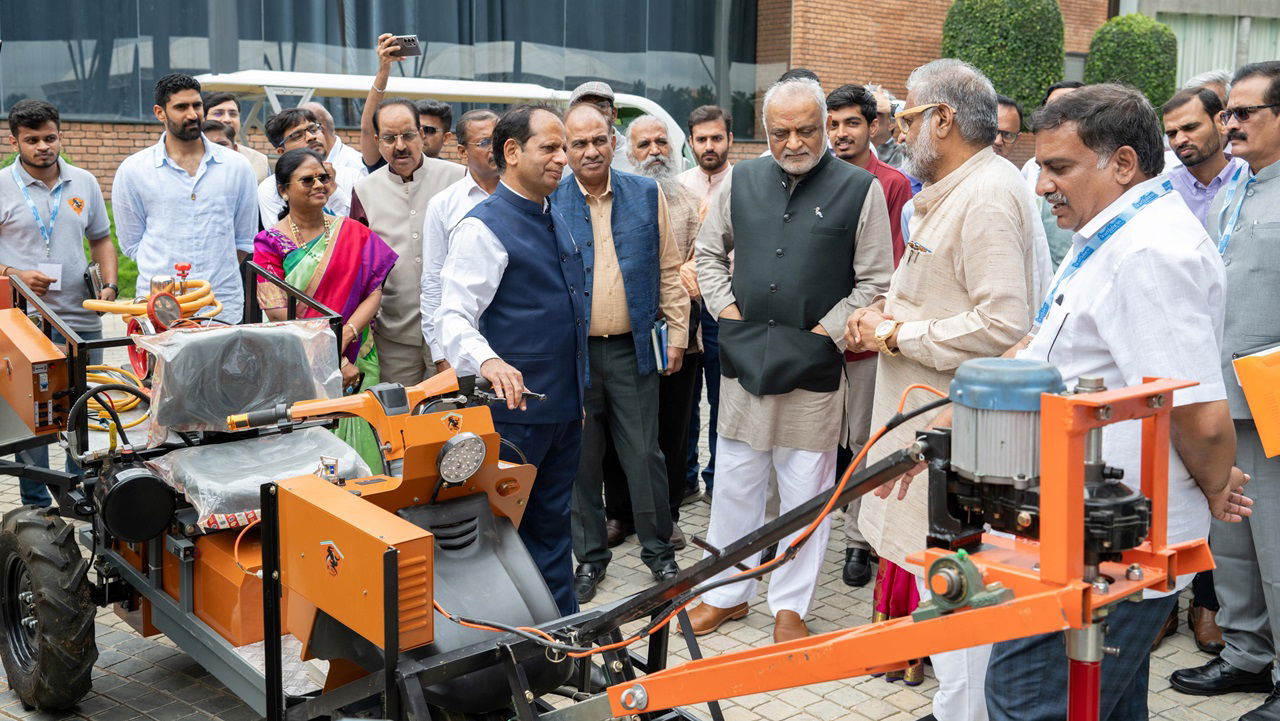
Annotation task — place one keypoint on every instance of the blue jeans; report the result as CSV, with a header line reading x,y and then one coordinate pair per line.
x,y
710,369
554,449
35,493
1027,678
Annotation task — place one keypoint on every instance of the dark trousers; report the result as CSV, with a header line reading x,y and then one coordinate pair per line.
x,y
675,399
622,405
711,372
1203,593
554,449
1027,678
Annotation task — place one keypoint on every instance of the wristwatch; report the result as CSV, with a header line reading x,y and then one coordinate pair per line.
x,y
883,332
112,286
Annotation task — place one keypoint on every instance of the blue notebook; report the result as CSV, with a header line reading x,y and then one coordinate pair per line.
x,y
658,337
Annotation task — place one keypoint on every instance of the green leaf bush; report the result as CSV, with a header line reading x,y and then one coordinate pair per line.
x,y
1017,43
1136,50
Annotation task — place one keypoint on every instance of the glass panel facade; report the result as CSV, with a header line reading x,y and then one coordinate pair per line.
x,y
100,60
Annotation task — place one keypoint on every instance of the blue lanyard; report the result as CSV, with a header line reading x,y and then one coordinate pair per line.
x,y
1097,239
46,232
1227,229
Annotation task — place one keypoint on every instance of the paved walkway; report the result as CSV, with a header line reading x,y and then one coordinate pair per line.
x,y
138,678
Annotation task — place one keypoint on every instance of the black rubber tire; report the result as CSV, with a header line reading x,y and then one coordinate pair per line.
x,y
50,666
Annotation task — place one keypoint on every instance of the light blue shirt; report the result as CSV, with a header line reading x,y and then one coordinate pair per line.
x,y
164,216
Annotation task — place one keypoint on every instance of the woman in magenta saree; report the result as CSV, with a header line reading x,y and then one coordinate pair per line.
x,y
338,262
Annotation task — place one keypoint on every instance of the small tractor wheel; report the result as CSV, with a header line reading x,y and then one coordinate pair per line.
x,y
46,615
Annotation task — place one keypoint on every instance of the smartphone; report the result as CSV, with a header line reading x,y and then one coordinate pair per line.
x,y
408,46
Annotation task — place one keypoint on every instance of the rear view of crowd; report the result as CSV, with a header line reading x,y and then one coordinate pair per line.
x,y
875,245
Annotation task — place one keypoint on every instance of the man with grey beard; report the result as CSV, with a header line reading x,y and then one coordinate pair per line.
x,y
967,287
649,150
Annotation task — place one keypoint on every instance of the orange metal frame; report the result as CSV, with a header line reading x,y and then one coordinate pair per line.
x,y
1046,577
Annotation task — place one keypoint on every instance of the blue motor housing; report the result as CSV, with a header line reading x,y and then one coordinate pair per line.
x,y
996,423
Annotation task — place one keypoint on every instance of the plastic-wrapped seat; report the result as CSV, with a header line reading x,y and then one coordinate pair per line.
x,y
203,375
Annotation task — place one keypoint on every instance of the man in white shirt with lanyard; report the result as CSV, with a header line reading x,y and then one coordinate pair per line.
x,y
1139,294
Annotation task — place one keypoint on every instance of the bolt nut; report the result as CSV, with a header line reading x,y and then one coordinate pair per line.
x,y
275,575
528,696
1023,519
1104,413
1156,401
616,667
190,529
1134,572
271,490
1100,585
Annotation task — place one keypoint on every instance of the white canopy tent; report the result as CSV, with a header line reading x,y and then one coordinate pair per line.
x,y
258,86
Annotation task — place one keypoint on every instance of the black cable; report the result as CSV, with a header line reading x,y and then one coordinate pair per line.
x,y
659,618
82,403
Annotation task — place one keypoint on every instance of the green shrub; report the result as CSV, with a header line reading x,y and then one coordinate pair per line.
x,y
1017,43
1136,50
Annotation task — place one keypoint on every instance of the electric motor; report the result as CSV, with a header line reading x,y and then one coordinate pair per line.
x,y
996,422
135,504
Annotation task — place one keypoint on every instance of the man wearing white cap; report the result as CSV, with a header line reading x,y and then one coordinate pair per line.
x,y
599,94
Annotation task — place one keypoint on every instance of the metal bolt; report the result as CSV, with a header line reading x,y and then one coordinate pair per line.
x,y
26,597
271,490
191,529
1111,650
616,666
365,592
1100,585
1024,519
30,622
302,555
520,502
1134,572
1156,401
275,575
415,500
1104,413
635,698
528,696
1035,566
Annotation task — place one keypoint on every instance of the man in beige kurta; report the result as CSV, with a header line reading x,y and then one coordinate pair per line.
x,y
966,288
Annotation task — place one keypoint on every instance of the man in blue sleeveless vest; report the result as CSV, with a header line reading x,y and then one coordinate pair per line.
x,y
511,310
633,277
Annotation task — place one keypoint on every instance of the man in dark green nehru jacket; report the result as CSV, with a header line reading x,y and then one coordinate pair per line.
x,y
811,243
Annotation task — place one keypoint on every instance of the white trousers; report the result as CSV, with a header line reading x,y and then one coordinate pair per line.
x,y
737,508
962,678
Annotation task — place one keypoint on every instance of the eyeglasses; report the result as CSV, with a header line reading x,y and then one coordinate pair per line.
x,y
904,117
309,181
407,136
482,144
1243,114
295,136
1009,136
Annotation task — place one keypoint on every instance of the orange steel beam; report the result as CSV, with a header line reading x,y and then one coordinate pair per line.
x,y
1046,577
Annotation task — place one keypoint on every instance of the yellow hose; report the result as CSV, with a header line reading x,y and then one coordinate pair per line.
x,y
127,403
189,301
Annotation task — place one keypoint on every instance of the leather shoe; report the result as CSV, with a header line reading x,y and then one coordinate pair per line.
x,y
1218,677
586,579
678,540
857,567
1169,628
705,618
1204,626
617,531
666,571
1268,711
788,626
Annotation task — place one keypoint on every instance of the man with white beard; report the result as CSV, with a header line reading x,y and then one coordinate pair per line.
x,y
966,288
649,151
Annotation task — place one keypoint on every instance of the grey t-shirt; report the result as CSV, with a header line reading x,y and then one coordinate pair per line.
x,y
81,214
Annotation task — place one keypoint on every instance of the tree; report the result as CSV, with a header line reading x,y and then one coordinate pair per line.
x,y
1136,50
1017,43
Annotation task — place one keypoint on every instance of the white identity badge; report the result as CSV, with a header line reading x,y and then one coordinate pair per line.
x,y
53,270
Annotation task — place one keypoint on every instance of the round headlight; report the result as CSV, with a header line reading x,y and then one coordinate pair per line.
x,y
460,458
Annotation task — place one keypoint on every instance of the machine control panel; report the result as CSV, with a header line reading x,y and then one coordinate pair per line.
x,y
33,374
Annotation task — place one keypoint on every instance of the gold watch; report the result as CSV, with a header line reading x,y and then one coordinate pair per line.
x,y
883,332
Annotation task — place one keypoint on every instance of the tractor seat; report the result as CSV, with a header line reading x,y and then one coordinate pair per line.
x,y
223,481
203,375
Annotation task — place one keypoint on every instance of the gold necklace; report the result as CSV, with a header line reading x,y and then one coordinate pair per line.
x,y
297,235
